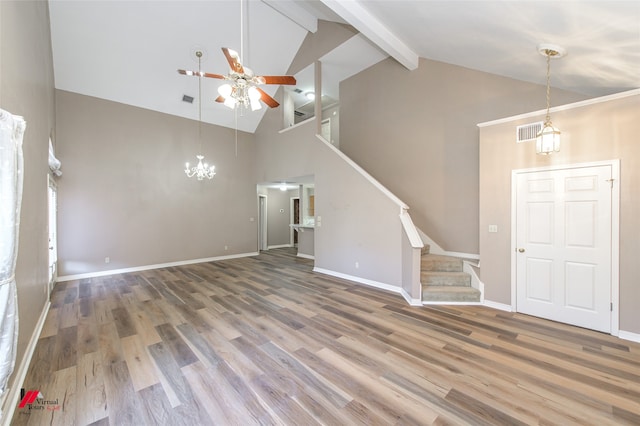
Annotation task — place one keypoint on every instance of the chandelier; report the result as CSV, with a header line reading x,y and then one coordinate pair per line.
x,y
201,170
548,139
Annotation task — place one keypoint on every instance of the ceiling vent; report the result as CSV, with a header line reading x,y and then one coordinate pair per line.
x,y
297,90
187,98
528,132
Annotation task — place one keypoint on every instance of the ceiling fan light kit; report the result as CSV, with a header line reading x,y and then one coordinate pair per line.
x,y
242,87
548,139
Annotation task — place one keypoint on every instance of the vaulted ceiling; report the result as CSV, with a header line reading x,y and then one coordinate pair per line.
x,y
128,51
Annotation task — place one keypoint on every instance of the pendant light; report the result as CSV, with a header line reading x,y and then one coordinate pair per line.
x,y
548,139
200,170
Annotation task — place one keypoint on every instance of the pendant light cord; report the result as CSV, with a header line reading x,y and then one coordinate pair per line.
x,y
548,118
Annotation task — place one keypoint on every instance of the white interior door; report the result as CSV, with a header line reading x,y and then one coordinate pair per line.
x,y
564,245
53,232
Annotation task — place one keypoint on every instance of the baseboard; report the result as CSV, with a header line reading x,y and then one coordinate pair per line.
x,y
627,335
148,267
497,305
306,256
13,394
360,280
410,301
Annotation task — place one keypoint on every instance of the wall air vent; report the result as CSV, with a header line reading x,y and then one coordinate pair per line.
x,y
187,98
528,132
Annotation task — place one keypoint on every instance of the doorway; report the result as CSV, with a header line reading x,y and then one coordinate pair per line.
x,y
295,219
565,244
52,206
262,222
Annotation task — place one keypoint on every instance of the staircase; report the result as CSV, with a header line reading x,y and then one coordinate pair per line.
x,y
444,281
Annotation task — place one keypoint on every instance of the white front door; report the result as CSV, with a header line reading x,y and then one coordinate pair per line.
x,y
564,245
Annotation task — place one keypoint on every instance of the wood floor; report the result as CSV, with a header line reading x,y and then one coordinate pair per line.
x,y
264,340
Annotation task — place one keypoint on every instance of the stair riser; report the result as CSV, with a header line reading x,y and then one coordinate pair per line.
x,y
457,279
453,265
446,297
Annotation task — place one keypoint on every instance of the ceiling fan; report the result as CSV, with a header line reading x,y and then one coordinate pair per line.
x,y
242,88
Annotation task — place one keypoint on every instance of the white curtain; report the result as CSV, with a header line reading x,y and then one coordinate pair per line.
x,y
54,163
11,174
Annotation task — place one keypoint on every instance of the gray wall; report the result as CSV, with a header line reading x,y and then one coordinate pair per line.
x,y
124,194
415,131
26,89
604,131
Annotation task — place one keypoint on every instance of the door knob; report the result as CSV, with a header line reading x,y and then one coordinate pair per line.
x,y
521,250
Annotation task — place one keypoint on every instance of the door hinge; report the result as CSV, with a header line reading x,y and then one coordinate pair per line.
x,y
611,306
611,182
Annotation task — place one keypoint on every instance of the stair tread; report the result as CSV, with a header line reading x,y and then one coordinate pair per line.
x,y
448,289
446,273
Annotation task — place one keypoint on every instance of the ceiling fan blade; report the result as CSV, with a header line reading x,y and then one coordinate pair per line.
x,y
264,97
232,58
219,99
210,75
277,79
200,74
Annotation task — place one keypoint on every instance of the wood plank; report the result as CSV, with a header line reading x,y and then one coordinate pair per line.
x,y
124,406
91,394
178,348
141,368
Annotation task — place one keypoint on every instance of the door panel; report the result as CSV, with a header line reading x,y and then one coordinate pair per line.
x,y
563,237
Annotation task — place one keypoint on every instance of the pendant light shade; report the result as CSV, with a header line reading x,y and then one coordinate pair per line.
x,y
548,140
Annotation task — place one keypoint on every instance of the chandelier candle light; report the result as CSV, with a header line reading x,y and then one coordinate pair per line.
x,y
201,170
548,139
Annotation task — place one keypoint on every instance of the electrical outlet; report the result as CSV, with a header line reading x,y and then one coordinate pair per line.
x,y
226,248
357,265
493,228
107,259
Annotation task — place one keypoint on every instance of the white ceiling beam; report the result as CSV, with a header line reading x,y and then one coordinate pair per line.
x,y
360,18
296,13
